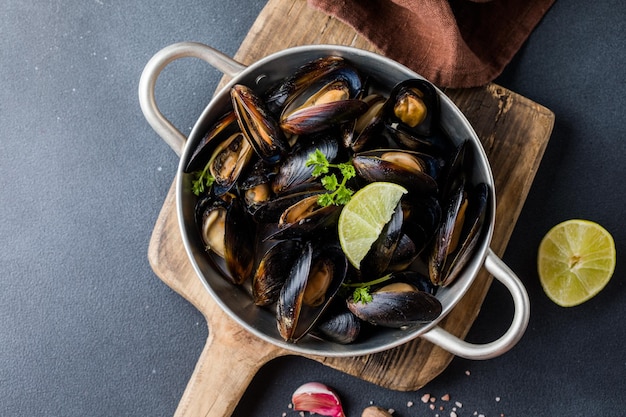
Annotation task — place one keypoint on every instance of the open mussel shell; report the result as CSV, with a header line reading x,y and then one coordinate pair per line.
x,y
272,210
309,289
223,128
230,158
329,101
257,124
256,185
397,305
273,270
458,234
227,235
412,170
413,106
304,76
320,117
366,132
210,214
306,219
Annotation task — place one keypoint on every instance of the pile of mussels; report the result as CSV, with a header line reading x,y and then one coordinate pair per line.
x,y
262,225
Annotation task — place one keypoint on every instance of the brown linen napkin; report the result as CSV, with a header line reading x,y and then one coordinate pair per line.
x,y
453,43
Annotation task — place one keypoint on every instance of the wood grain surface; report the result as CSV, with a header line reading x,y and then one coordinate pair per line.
x,y
514,132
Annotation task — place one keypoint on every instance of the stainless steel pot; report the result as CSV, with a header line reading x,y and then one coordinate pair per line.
x,y
235,302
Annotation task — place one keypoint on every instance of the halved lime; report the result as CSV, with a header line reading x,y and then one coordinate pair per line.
x,y
576,259
364,216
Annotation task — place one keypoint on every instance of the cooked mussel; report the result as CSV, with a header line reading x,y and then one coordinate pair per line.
x,y
211,214
366,132
228,161
273,209
332,100
306,218
413,170
413,106
293,172
256,186
257,124
311,285
272,271
397,305
277,96
464,215
224,127
227,233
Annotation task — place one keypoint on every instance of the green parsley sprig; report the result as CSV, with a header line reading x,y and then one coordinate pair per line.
x,y
202,180
361,292
338,193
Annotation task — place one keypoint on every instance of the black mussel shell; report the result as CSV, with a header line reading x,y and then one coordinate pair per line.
x,y
397,305
408,160
338,325
228,236
422,217
239,243
313,281
223,128
407,251
293,172
256,185
307,74
413,106
258,125
230,158
457,169
459,232
320,117
374,168
306,219
210,215
272,271
367,129
330,101
270,211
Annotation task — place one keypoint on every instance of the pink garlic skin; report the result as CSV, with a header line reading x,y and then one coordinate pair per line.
x,y
315,397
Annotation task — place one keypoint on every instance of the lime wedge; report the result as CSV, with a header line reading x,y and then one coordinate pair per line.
x,y
364,216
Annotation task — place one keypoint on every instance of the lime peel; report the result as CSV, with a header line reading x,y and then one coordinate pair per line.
x,y
364,217
575,261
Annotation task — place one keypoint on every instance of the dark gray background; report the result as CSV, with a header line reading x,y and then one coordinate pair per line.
x,y
87,329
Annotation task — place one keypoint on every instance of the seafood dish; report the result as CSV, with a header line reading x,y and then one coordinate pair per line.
x,y
269,226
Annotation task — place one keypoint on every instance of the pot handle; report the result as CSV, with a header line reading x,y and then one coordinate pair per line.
x,y
459,347
163,127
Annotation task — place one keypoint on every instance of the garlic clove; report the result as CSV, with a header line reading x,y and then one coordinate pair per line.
x,y
317,398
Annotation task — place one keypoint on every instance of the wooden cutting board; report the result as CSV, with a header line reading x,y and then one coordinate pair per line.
x,y
514,132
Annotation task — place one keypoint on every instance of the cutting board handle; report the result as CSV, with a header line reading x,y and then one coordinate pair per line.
x,y
521,303
163,127
229,361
